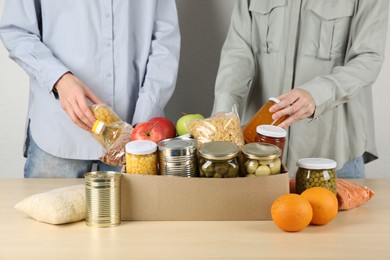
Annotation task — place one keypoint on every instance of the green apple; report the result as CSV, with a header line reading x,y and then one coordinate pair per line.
x,y
181,124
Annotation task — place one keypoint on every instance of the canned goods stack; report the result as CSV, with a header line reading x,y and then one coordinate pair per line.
x,y
177,157
102,190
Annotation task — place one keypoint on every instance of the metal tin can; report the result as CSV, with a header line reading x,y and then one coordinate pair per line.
x,y
315,172
261,159
219,159
177,157
102,190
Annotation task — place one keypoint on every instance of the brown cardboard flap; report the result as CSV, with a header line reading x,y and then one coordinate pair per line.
x,y
145,197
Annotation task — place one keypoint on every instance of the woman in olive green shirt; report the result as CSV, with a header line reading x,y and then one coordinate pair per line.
x,y
320,58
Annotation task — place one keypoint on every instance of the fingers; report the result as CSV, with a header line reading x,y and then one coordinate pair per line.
x,y
297,104
73,96
78,114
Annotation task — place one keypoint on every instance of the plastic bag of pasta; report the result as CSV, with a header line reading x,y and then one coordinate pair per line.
x,y
223,126
112,133
116,153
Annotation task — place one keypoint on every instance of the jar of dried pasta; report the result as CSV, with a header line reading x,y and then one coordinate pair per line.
x,y
141,157
218,159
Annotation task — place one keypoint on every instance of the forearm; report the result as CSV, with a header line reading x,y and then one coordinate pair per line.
x,y
21,35
237,67
363,59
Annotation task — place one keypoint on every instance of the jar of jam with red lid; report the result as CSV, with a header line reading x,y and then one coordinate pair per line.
x,y
271,134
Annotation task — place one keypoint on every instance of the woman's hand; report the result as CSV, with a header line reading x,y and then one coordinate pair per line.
x,y
298,104
73,95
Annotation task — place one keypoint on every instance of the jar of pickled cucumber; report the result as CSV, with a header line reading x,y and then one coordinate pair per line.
x,y
261,159
315,172
141,157
219,159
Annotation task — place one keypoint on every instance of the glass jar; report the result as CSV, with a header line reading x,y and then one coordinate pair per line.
x,y
271,134
261,159
262,117
315,172
141,157
218,159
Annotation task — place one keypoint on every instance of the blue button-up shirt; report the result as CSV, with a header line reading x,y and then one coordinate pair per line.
x,y
126,51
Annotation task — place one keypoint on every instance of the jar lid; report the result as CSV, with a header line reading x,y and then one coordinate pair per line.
x,y
263,151
219,150
97,127
177,143
141,147
274,99
271,131
316,163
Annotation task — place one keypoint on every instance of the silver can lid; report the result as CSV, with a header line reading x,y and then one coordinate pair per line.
x,y
177,143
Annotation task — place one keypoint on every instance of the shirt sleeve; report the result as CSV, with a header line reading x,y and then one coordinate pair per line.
x,y
20,31
162,66
363,60
237,66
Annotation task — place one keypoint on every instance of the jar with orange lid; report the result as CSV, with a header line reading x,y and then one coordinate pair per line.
x,y
271,134
262,117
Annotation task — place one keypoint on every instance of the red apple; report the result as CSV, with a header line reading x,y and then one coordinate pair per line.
x,y
166,125
148,131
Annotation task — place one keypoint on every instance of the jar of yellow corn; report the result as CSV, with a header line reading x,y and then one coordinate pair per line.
x,y
141,157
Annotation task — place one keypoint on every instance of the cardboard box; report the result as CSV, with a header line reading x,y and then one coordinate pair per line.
x,y
146,197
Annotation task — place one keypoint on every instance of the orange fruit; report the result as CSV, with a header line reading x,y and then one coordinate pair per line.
x,y
291,212
324,204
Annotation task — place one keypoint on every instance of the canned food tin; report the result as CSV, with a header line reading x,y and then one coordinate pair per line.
x,y
102,190
177,156
219,159
315,172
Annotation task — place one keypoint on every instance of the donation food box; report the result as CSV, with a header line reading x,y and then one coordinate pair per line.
x,y
158,197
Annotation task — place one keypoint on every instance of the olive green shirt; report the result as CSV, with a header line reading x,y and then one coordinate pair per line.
x,y
334,49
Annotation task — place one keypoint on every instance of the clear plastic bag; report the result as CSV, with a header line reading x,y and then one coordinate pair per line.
x,y
223,126
112,133
116,153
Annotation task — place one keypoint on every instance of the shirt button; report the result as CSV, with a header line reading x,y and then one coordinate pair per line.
x,y
108,74
107,15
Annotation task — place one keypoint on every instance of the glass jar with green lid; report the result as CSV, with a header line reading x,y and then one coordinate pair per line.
x,y
315,172
261,159
219,159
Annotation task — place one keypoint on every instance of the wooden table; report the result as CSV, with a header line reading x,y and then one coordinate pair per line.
x,y
362,232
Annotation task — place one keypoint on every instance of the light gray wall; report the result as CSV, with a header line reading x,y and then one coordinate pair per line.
x,y
204,24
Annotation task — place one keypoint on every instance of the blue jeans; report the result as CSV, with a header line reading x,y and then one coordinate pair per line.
x,y
352,169
40,164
